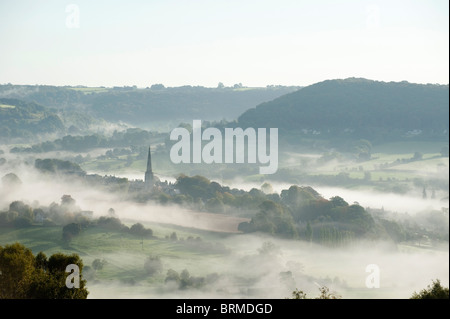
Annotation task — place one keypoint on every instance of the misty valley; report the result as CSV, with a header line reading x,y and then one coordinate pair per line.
x,y
355,203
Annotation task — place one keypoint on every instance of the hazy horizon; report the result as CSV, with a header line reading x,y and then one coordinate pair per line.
x,y
215,86
254,43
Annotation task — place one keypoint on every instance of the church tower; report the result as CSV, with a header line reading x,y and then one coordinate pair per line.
x,y
149,177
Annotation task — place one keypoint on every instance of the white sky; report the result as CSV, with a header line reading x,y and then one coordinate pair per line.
x,y
192,42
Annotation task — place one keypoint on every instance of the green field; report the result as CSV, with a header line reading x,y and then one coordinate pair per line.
x,y
125,254
6,106
391,161
89,90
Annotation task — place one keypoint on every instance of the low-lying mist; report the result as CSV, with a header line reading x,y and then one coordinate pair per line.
x,y
258,266
39,189
263,267
411,202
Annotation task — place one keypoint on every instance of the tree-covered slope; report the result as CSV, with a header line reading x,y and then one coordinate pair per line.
x,y
23,121
150,105
357,108
19,119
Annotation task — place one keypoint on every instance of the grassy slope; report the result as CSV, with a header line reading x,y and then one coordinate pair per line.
x,y
124,274
389,153
124,253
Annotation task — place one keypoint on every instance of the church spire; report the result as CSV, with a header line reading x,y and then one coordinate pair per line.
x,y
149,178
149,161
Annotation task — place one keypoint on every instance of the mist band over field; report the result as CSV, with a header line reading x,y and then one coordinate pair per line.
x,y
403,268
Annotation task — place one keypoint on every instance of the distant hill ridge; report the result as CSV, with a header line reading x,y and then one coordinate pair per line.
x,y
150,105
357,107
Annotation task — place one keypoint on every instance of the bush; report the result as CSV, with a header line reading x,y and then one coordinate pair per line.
x,y
435,291
139,230
153,265
111,223
71,230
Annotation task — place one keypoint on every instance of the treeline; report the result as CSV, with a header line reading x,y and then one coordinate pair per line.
x,y
197,244
56,166
69,215
299,212
200,193
132,137
52,166
185,280
302,213
23,120
158,103
27,121
433,291
25,276
73,229
20,214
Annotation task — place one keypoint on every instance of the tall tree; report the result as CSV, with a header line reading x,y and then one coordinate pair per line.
x,y
24,276
17,267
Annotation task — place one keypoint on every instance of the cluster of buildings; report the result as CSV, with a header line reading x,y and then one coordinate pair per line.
x,y
151,182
